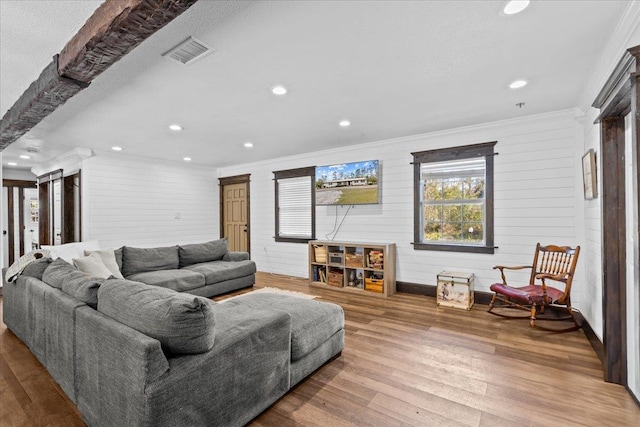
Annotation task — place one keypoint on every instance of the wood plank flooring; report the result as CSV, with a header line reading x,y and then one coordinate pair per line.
x,y
405,363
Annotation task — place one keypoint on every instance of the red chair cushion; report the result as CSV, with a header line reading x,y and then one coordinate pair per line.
x,y
528,294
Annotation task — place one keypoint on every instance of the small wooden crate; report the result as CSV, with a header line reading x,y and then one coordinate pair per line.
x,y
354,260
455,290
373,285
335,279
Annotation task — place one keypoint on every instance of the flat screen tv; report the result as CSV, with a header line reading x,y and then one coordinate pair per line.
x,y
353,183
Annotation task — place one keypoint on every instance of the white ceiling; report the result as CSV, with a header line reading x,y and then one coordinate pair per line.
x,y
392,68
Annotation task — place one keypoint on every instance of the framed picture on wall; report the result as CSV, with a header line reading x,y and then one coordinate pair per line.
x,y
589,175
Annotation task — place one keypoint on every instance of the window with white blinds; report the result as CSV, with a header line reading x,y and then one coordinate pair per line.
x,y
295,205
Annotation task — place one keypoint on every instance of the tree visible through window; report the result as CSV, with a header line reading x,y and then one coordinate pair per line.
x,y
454,199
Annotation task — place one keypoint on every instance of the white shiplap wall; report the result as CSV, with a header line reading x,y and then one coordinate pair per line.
x,y
537,180
592,306
134,201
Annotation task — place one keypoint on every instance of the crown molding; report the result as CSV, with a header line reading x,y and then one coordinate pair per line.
x,y
68,162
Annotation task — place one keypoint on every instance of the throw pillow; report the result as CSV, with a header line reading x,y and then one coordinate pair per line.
x,y
92,266
108,258
202,252
69,251
183,323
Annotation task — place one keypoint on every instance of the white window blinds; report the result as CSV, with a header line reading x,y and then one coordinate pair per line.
x,y
294,207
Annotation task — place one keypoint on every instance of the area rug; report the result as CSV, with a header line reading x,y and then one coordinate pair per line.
x,y
272,291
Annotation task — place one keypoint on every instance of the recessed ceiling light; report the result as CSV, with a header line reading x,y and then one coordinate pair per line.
x,y
248,144
518,84
12,164
187,159
175,127
279,90
24,156
515,6
116,148
345,123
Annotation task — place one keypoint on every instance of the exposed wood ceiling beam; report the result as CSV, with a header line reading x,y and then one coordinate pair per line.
x,y
115,28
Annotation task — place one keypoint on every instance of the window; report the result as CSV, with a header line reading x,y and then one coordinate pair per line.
x,y
295,205
453,199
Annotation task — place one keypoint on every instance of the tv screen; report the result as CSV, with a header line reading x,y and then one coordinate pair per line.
x,y
353,183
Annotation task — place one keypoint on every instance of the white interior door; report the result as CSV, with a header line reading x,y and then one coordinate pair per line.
x,y
5,228
57,212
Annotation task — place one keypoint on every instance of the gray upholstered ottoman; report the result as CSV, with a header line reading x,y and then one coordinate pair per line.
x,y
317,328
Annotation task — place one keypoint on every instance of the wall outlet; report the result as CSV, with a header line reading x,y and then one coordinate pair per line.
x,y
177,215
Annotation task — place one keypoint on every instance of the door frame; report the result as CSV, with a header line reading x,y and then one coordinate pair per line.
x,y
20,185
237,179
619,96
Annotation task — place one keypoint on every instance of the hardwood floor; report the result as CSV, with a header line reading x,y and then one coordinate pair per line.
x,y
405,363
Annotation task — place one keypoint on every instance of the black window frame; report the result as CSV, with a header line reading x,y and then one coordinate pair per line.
x,y
485,150
309,171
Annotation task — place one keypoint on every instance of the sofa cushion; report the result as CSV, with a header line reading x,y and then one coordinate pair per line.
x,y
220,271
57,272
36,268
178,280
202,252
139,260
108,258
118,254
236,256
62,275
183,323
312,322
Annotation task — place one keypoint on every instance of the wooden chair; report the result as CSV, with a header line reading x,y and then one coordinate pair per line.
x,y
554,263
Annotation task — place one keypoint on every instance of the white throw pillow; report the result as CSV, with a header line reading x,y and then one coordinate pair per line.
x,y
69,251
92,266
108,258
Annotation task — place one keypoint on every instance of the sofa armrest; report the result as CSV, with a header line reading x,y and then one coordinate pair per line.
x,y
114,365
236,256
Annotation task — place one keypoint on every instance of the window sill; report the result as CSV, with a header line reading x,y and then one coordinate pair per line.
x,y
478,249
294,239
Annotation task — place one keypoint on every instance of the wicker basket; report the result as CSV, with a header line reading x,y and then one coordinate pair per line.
x,y
320,253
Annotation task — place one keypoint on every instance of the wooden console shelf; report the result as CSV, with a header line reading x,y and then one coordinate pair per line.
x,y
361,268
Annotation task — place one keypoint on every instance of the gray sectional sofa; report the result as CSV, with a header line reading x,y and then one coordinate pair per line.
x,y
134,354
205,269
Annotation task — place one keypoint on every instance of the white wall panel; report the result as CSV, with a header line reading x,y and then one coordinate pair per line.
x,y
535,199
135,201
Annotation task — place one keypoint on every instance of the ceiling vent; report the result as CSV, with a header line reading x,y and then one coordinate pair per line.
x,y
189,51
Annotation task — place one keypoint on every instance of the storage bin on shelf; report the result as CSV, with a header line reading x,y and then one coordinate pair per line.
x,y
320,253
335,278
374,285
354,260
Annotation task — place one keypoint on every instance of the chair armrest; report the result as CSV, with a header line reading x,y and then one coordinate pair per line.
x,y
557,277
504,267
236,256
518,267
